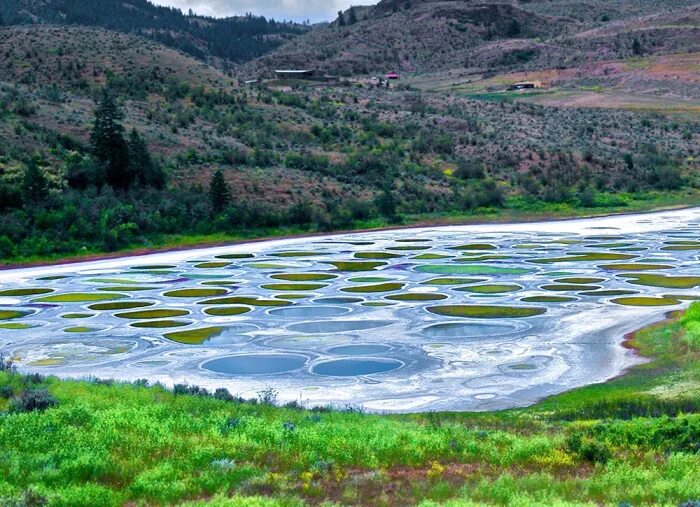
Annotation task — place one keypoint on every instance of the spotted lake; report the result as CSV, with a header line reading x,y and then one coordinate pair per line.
x,y
446,318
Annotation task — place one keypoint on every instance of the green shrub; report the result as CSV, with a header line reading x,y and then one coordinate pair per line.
x,y
588,449
33,400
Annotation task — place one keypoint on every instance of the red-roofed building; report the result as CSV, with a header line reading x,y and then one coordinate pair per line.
x,y
393,75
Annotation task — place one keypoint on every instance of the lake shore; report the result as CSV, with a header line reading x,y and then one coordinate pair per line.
x,y
503,217
583,335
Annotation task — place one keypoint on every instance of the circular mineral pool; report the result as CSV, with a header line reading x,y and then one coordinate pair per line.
x,y
468,330
314,342
255,364
355,367
360,349
338,300
306,312
338,326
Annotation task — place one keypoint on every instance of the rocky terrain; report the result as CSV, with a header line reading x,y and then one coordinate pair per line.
x,y
487,36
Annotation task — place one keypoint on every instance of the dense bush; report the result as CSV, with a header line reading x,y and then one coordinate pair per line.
x,y
35,399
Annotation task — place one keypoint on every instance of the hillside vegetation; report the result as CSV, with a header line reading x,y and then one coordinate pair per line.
x,y
310,158
631,441
420,36
221,41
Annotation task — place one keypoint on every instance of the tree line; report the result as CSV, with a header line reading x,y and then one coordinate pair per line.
x,y
238,39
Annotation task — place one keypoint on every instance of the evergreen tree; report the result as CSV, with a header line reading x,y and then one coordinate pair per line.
x,y
35,186
352,16
341,19
108,144
82,171
386,205
141,166
219,192
513,28
637,47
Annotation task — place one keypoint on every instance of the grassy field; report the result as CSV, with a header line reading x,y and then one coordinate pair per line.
x,y
516,209
632,441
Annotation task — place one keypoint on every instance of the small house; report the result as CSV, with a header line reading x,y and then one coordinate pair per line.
x,y
295,73
525,85
392,75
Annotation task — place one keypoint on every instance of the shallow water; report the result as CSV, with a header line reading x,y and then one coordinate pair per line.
x,y
450,318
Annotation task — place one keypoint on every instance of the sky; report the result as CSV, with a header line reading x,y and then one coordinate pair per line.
x,y
296,10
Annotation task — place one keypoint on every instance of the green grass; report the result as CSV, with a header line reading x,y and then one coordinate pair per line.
x,y
631,440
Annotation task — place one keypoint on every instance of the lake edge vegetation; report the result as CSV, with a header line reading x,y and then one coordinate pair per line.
x,y
631,441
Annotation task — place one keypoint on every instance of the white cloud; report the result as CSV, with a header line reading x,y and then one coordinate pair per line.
x,y
297,10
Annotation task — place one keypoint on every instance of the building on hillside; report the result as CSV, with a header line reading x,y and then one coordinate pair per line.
x,y
296,74
525,85
393,75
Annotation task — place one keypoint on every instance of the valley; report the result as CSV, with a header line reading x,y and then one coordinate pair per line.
x,y
424,252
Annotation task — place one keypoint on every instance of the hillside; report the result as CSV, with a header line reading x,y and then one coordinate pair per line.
x,y
310,157
486,36
427,36
221,41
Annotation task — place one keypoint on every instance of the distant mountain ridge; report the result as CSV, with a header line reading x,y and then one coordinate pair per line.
x,y
487,35
225,41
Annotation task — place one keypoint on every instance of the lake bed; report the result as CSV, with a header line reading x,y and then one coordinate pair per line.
x,y
478,317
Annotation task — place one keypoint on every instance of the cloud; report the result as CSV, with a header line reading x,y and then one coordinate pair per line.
x,y
297,10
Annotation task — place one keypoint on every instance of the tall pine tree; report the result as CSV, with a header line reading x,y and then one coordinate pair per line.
x,y
35,186
108,144
142,168
637,48
219,192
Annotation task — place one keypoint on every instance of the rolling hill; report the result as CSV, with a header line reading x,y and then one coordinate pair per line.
x,y
486,36
222,41
329,156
